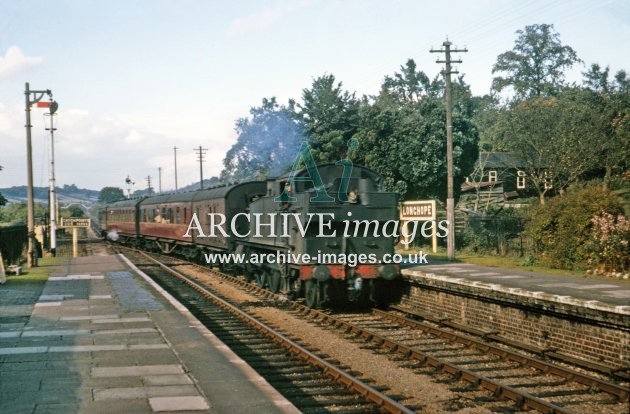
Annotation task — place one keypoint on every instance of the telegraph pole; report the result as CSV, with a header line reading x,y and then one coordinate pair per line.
x,y
149,185
200,154
159,180
450,200
31,258
53,195
175,155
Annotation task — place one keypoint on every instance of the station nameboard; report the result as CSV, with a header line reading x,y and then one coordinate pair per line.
x,y
75,222
418,210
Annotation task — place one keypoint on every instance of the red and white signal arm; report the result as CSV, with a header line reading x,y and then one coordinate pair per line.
x,y
41,104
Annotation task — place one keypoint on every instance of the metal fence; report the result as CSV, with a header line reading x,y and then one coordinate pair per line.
x,y
495,234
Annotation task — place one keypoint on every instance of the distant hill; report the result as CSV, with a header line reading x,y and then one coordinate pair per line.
x,y
207,183
72,194
66,194
212,182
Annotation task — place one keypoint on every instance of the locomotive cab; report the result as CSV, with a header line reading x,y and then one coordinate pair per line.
x,y
327,235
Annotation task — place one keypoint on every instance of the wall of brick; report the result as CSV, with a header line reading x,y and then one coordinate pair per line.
x,y
588,334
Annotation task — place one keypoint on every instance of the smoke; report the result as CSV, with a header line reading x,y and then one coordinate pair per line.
x,y
113,235
268,142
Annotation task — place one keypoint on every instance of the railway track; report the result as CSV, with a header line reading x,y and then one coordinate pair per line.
x,y
528,382
309,381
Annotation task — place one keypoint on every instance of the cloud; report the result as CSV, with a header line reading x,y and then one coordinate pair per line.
x,y
265,18
14,61
75,111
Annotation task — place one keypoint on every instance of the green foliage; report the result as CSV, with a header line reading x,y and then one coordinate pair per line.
x,y
15,213
562,230
609,249
535,66
111,194
330,117
267,143
566,138
490,232
13,240
3,201
610,109
402,134
73,211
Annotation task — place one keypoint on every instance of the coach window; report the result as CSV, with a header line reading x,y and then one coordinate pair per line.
x,y
492,176
185,216
176,215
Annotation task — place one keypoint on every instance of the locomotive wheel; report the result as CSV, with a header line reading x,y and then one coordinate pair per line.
x,y
261,279
312,294
274,281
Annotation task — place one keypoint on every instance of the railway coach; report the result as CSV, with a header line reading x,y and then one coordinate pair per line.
x,y
161,222
317,232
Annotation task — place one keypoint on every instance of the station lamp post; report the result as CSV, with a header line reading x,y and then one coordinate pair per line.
x,y
36,97
52,196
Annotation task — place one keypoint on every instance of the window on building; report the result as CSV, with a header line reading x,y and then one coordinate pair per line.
x,y
520,180
492,176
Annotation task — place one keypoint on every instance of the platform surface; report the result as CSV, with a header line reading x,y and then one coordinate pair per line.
x,y
99,338
615,293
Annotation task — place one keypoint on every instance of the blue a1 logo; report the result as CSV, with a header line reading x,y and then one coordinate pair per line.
x,y
313,176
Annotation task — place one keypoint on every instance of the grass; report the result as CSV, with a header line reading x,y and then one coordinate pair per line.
x,y
37,274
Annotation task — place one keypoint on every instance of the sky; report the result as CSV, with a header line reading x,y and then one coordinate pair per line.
x,y
134,79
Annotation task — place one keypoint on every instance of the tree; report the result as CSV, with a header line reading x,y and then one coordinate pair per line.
x,y
3,201
410,84
111,194
610,103
75,211
402,134
555,139
534,67
15,213
330,118
267,143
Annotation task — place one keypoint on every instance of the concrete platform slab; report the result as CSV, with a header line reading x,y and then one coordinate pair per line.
x,y
102,338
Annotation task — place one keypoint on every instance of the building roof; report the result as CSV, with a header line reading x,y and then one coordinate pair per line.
x,y
491,160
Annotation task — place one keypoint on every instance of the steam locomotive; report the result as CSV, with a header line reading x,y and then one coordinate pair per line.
x,y
315,233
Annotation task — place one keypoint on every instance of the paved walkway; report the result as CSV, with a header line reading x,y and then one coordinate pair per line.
x,y
101,339
613,292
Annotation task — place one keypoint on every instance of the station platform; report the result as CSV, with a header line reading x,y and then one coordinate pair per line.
x,y
585,320
100,338
609,295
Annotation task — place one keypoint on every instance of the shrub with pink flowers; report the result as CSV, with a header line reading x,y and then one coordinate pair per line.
x,y
563,231
610,244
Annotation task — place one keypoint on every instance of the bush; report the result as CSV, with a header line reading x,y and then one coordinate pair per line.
x,y
490,232
610,246
562,229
